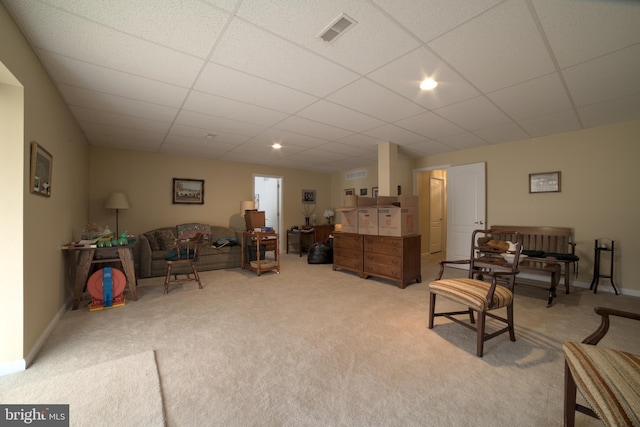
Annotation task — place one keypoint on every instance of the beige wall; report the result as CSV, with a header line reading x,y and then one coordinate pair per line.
x,y
147,179
598,198
47,222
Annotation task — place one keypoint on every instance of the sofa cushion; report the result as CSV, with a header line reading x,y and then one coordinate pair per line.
x,y
166,239
189,231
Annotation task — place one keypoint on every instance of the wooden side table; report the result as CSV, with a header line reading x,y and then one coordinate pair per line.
x,y
86,257
257,239
600,247
301,240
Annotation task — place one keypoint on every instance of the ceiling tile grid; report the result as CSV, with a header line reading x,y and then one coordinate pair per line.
x,y
227,78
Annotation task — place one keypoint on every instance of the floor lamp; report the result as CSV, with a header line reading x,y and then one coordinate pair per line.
x,y
117,201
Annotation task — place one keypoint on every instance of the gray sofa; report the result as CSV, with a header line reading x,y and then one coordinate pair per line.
x,y
153,245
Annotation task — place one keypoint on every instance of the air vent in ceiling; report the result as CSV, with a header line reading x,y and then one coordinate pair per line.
x,y
357,174
338,27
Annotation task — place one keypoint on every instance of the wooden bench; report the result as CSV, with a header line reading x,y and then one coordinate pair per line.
x,y
544,244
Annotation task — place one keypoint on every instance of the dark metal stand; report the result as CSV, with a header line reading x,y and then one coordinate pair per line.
x,y
599,248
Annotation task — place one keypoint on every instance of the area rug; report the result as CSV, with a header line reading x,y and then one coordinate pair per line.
x,y
122,392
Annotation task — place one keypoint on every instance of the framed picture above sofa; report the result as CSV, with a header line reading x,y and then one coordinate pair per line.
x,y
188,191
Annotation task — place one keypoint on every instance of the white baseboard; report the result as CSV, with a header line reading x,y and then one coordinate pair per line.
x,y
22,364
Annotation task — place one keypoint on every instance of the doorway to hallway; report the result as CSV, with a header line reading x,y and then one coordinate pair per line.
x,y
267,192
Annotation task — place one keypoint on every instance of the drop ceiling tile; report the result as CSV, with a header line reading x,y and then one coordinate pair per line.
x,y
89,76
119,120
339,116
503,133
286,138
405,74
362,141
393,133
476,113
428,20
217,124
462,141
314,155
312,128
372,42
182,149
612,111
595,81
225,82
189,26
265,55
500,48
372,99
201,135
347,150
115,104
425,148
100,45
205,103
430,125
582,30
565,121
533,98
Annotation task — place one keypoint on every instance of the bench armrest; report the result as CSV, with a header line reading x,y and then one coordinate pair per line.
x,y
602,330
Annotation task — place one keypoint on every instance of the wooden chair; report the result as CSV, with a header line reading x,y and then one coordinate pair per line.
x,y
608,379
478,295
183,256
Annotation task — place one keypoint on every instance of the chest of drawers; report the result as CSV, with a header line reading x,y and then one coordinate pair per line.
x,y
393,258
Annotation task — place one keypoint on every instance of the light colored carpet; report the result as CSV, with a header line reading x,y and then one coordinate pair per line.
x,y
314,347
122,392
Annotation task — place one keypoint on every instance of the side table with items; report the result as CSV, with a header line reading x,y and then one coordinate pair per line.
x,y
260,242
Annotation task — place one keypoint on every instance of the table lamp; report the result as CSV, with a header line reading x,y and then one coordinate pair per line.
x,y
117,201
247,205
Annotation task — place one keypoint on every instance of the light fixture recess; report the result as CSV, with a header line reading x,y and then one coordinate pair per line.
x,y
336,28
428,84
276,145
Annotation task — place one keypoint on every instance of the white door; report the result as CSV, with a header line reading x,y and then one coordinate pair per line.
x,y
436,214
267,190
466,207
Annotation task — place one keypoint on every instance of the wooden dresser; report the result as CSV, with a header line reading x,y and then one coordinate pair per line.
x,y
393,258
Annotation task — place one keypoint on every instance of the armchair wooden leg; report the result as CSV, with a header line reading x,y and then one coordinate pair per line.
x,y
480,333
512,333
570,390
167,279
432,308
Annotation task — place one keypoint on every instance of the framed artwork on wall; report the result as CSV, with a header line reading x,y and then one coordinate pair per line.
x,y
188,191
309,196
374,191
349,191
363,191
41,170
546,182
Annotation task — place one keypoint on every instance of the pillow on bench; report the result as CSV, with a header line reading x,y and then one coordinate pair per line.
x,y
558,256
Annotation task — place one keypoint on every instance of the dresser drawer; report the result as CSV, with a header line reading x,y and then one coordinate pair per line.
x,y
393,272
383,240
347,253
389,260
348,241
376,248
347,262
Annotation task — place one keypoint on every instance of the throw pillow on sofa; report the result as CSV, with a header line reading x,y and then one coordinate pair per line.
x,y
166,239
189,231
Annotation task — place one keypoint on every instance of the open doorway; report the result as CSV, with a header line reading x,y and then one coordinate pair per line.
x,y
430,184
267,192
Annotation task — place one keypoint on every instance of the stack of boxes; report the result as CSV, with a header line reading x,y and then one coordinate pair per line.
x,y
381,216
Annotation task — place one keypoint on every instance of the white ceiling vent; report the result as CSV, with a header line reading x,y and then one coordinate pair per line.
x,y
338,27
356,174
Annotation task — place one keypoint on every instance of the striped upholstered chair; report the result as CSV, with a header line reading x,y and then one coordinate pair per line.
x,y
609,380
479,295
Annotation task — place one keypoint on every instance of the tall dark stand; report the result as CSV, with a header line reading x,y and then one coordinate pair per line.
x,y
599,248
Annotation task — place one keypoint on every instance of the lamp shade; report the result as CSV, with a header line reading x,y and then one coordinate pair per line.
x,y
247,205
117,201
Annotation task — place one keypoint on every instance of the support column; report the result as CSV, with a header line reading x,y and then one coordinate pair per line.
x,y
387,169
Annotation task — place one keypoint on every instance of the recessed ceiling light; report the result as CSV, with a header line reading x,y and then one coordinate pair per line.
x,y
276,145
210,136
428,84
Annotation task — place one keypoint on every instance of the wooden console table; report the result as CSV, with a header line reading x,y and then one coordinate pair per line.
x,y
86,257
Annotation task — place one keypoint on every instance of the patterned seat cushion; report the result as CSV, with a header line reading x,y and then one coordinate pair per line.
x,y
471,292
189,231
608,379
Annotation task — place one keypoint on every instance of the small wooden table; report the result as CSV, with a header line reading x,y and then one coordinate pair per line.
x,y
256,239
86,257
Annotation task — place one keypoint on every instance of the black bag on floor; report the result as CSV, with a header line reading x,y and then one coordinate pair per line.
x,y
320,253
